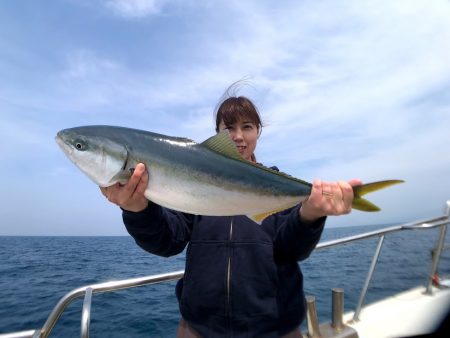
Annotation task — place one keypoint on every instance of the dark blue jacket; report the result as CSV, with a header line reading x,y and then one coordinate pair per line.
x,y
241,279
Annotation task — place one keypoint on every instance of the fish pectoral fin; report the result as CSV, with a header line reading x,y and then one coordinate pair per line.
x,y
122,177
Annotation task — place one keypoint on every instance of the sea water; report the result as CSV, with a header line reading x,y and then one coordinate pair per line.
x,y
35,272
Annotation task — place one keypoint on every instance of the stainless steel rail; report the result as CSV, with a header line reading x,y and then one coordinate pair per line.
x,y
90,290
362,297
96,288
20,334
86,313
426,224
438,251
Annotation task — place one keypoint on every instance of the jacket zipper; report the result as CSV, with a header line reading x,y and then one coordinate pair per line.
x,y
229,273
229,264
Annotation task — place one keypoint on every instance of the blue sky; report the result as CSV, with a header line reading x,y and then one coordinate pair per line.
x,y
347,89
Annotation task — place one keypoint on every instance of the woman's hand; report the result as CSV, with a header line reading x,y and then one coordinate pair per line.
x,y
131,195
328,198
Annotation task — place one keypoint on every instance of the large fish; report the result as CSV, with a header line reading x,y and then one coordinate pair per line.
x,y
210,178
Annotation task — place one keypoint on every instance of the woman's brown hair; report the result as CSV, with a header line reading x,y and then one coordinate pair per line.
x,y
238,108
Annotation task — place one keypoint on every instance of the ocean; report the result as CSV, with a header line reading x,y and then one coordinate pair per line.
x,y
35,272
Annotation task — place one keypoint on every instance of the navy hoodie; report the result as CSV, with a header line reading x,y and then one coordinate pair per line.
x,y
241,279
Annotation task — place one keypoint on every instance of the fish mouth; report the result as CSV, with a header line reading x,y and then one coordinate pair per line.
x,y
62,144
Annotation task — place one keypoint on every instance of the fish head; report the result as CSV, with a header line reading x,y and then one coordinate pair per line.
x,y
103,159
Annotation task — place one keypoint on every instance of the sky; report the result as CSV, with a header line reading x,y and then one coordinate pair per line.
x,y
346,89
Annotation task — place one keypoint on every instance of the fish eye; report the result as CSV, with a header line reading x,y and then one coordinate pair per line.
x,y
80,145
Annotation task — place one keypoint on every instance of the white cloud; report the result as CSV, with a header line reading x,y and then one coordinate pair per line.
x,y
136,8
84,65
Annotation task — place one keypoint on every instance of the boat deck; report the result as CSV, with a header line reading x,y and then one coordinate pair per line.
x,y
406,314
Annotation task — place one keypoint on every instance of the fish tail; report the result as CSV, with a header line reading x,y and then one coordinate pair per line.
x,y
362,204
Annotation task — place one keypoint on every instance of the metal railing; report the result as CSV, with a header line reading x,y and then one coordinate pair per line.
x,y
90,290
441,221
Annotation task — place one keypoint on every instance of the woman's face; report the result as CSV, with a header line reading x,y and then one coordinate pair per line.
x,y
244,134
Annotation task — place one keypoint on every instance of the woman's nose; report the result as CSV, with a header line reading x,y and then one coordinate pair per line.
x,y
237,135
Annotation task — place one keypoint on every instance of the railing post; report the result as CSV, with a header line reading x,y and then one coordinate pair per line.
x,y
337,301
86,313
368,279
313,321
438,251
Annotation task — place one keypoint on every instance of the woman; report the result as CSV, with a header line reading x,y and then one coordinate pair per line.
x,y
241,279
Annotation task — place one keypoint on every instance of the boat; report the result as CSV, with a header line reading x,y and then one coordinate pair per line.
x,y
420,311
415,312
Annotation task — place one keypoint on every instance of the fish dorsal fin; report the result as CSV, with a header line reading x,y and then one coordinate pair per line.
x,y
223,144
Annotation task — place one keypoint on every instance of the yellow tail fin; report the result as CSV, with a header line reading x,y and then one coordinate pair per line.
x,y
362,204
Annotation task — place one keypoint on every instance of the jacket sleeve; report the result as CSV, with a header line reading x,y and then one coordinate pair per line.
x,y
158,230
294,239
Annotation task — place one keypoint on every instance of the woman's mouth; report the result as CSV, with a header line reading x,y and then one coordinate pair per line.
x,y
241,149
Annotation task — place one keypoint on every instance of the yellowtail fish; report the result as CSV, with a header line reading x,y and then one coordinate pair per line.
x,y
209,178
